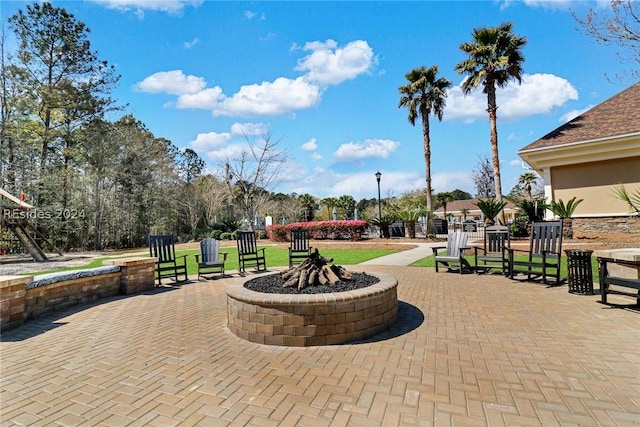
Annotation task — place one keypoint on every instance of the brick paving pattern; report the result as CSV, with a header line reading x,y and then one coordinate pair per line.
x,y
468,350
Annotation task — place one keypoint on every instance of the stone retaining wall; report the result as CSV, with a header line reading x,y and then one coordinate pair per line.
x,y
26,297
606,225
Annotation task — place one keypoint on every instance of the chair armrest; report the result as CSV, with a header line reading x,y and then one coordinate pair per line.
x,y
183,257
224,256
261,249
436,248
197,258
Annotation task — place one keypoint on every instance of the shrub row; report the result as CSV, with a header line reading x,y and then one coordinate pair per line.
x,y
320,230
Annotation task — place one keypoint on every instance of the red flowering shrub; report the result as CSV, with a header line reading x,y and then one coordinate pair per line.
x,y
320,230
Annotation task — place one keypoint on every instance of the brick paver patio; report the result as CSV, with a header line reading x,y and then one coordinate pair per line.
x,y
468,350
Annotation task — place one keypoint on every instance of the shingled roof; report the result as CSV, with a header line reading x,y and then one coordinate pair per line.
x,y
618,115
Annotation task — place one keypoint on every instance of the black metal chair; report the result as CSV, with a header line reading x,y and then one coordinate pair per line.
x,y
493,253
209,260
456,246
544,255
299,248
163,248
248,252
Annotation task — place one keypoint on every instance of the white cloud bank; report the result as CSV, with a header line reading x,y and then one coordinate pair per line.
x,y
326,64
381,148
173,7
538,94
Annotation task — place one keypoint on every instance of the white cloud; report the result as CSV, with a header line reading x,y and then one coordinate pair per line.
x,y
173,82
329,64
449,181
205,99
316,157
363,184
139,6
250,15
538,94
205,142
270,98
192,43
249,128
381,148
326,65
570,115
310,145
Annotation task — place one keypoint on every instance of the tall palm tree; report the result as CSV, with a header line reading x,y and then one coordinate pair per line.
x,y
423,95
494,58
526,180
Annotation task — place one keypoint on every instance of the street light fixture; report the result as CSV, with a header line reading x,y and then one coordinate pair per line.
x,y
378,176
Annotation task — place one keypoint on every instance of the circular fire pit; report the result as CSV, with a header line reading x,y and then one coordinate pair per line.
x,y
312,319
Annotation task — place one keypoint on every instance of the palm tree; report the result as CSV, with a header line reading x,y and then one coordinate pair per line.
x,y
329,203
495,58
424,94
409,214
526,181
444,198
490,208
309,204
565,212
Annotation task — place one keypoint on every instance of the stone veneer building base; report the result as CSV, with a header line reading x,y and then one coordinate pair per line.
x,y
308,320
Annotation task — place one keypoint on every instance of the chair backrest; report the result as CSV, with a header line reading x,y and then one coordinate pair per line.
x,y
247,242
162,247
496,237
455,241
299,240
209,249
546,236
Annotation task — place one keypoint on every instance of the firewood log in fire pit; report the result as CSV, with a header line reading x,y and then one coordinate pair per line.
x,y
315,270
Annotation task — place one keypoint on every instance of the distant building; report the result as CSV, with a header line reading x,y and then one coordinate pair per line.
x,y
455,208
589,157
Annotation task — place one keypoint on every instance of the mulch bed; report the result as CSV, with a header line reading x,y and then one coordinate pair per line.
x,y
272,284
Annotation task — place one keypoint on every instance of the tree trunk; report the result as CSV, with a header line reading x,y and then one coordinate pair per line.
x,y
426,145
411,229
567,228
493,117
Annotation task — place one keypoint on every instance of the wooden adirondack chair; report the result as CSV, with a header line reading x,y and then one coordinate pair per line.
x,y
248,252
168,265
210,254
299,248
544,254
456,245
493,254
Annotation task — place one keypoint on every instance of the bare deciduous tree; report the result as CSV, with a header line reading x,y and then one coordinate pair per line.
x,y
619,26
483,177
254,171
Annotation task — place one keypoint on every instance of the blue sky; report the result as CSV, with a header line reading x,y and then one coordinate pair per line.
x,y
323,78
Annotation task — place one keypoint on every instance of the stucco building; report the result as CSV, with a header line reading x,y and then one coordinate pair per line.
x,y
589,157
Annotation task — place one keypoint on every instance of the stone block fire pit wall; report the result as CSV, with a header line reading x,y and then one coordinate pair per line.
x,y
309,320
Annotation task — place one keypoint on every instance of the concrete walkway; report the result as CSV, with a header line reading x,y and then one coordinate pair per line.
x,y
408,256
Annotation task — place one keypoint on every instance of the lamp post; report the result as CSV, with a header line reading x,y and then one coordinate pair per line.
x,y
378,176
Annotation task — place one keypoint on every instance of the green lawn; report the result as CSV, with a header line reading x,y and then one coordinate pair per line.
x,y
276,257
429,262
